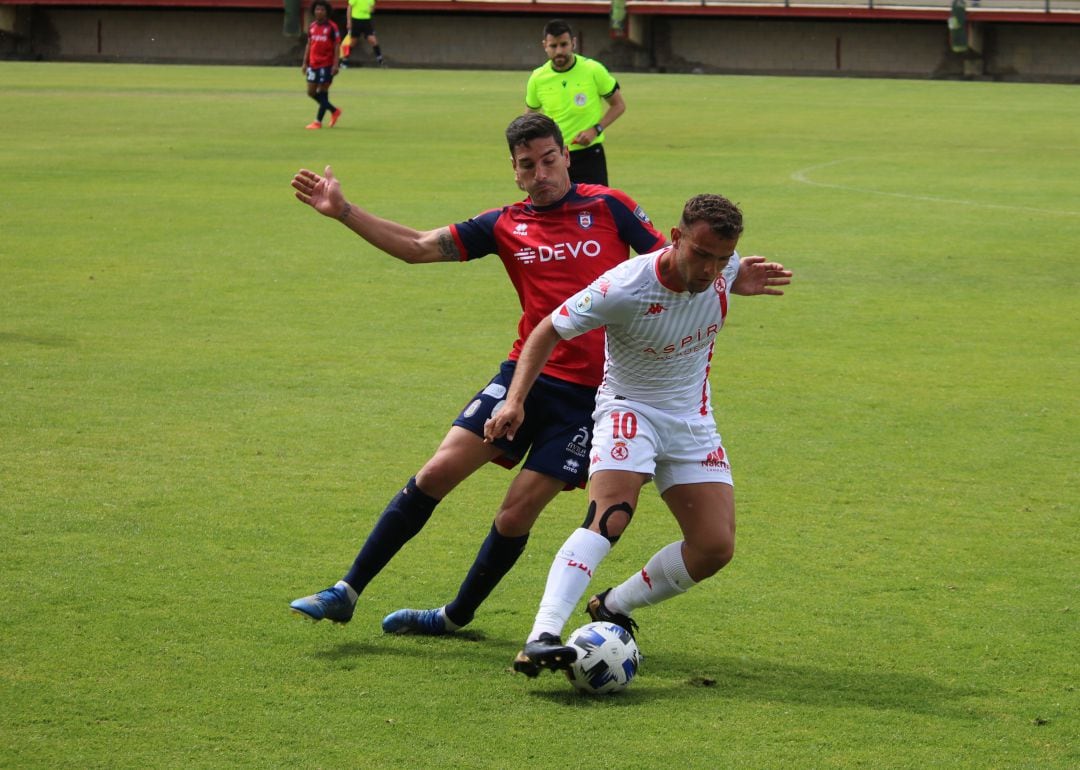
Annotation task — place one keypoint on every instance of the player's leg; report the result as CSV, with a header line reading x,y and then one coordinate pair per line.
x,y
335,113
556,436
375,48
322,96
694,479
460,454
613,499
313,93
706,516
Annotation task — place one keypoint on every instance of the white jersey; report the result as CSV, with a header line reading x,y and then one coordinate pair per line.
x,y
659,341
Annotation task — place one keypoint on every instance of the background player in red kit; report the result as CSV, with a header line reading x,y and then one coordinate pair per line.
x,y
321,61
551,244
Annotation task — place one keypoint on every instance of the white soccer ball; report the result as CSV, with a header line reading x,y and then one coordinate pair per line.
x,y
607,658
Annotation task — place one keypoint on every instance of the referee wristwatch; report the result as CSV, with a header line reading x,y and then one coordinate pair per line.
x,y
599,129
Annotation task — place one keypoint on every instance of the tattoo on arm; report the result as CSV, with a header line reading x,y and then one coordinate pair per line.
x,y
448,251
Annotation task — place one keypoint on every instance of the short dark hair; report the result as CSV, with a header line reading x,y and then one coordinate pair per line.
x,y
722,216
557,27
532,125
325,4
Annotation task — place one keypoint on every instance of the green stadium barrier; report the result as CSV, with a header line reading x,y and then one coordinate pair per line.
x,y
294,17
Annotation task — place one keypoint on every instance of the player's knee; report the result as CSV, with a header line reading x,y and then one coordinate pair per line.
x,y
515,521
717,554
707,554
611,522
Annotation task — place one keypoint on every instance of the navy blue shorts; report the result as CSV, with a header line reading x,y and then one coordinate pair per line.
x,y
320,75
555,437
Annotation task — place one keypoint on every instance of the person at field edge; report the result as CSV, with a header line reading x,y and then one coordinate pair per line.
x,y
581,96
359,19
653,422
540,241
321,61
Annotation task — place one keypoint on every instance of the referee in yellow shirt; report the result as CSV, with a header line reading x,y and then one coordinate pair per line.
x,y
581,96
361,25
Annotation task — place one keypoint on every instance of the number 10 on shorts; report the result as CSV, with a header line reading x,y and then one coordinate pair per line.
x,y
623,425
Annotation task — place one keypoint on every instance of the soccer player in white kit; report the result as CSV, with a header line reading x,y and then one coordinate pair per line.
x,y
653,421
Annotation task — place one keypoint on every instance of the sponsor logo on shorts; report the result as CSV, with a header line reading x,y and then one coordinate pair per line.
x,y
620,451
495,390
573,466
470,410
579,444
584,302
716,460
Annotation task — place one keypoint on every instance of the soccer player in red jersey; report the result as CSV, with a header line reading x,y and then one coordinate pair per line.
x,y
321,61
551,244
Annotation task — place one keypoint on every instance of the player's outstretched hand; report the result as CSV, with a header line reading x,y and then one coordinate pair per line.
x,y
504,422
759,276
322,193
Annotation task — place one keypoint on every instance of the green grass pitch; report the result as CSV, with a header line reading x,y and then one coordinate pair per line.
x,y
209,392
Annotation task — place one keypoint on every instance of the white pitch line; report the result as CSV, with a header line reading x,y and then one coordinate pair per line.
x,y
802,176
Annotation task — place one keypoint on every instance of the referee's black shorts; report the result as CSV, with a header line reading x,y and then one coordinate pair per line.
x,y
589,166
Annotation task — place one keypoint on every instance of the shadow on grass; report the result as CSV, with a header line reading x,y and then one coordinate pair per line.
x,y
742,678
43,340
431,646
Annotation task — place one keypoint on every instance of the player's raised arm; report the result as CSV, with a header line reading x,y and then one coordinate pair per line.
x,y
323,193
759,276
537,350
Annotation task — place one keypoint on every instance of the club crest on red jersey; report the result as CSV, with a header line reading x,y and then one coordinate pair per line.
x,y
585,220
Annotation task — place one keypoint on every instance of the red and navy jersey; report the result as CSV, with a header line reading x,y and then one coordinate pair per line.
x,y
552,252
322,42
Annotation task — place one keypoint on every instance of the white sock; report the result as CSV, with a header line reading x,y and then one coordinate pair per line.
x,y
349,590
569,576
664,576
450,625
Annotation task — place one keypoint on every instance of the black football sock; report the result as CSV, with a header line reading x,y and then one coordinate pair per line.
x,y
494,559
404,516
324,104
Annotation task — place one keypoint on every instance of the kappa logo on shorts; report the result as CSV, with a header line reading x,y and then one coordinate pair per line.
x,y
620,451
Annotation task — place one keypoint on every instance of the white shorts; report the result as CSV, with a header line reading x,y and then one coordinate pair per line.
x,y
673,449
